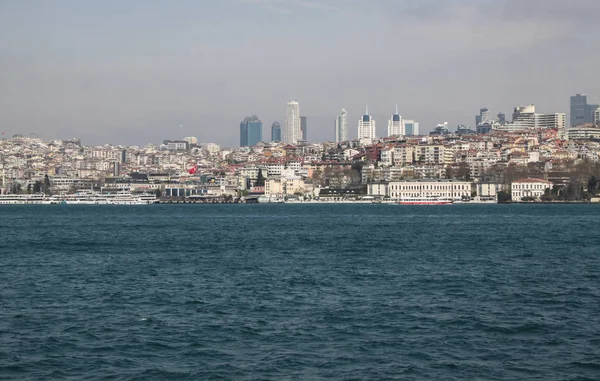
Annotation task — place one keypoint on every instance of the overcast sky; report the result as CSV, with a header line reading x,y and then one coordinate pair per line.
x,y
135,71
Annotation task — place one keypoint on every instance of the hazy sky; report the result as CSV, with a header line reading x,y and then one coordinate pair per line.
x,y
133,71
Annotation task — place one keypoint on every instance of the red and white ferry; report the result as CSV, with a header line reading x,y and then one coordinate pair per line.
x,y
425,200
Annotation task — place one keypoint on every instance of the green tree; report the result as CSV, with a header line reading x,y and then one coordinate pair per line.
x,y
504,197
16,188
593,185
37,187
260,179
46,186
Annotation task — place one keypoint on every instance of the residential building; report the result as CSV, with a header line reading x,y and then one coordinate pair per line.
x,y
411,127
176,145
583,133
341,127
192,140
366,126
292,132
581,111
529,188
597,117
395,125
250,131
276,132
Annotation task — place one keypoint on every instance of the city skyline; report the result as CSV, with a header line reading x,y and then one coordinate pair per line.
x,y
130,72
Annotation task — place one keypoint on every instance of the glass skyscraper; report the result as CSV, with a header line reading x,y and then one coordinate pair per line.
x,y
303,127
411,127
250,131
581,111
341,127
276,132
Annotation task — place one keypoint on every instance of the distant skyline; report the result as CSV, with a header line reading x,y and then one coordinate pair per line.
x,y
137,71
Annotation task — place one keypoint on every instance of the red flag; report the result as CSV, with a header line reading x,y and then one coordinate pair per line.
x,y
193,170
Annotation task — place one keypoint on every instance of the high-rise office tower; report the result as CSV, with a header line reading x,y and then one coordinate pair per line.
x,y
411,127
292,132
303,128
396,125
366,126
250,131
581,111
485,116
501,118
341,127
597,117
276,132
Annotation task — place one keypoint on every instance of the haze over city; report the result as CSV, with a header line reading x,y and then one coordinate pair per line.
x,y
142,71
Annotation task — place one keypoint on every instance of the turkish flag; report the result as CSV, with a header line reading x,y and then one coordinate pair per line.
x,y
193,170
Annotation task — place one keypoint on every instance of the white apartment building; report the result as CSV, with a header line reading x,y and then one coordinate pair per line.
x,y
387,157
403,155
434,154
529,188
583,133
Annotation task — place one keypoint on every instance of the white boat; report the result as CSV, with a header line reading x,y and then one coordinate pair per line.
x,y
90,197
24,199
425,200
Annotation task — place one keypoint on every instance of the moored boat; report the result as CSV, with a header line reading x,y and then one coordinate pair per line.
x,y
24,199
425,200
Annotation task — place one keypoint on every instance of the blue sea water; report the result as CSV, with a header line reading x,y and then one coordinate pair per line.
x,y
300,292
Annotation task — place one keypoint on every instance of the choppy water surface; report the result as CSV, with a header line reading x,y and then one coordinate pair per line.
x,y
300,292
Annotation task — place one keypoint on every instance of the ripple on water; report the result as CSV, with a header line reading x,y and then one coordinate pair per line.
x,y
295,292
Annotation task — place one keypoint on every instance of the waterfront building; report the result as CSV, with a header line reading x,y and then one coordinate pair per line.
x,y
411,127
303,128
276,132
366,126
581,111
395,125
341,127
292,132
529,188
250,131
442,188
